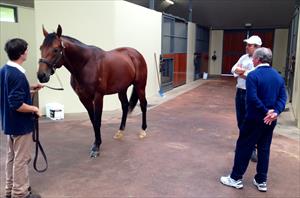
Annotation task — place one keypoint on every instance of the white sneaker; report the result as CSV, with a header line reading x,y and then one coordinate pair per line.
x,y
261,187
228,181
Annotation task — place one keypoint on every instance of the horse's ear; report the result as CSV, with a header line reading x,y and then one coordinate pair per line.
x,y
45,32
59,31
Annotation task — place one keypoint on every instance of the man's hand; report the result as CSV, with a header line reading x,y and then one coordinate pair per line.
x,y
239,71
36,87
25,108
243,76
36,111
270,111
270,117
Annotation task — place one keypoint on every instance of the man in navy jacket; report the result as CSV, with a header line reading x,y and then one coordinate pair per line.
x,y
266,98
16,112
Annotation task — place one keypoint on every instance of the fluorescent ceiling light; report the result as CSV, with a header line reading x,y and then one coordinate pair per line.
x,y
169,2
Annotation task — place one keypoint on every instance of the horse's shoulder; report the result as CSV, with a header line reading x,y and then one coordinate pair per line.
x,y
73,81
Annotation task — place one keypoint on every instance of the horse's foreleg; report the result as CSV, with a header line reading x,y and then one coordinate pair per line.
x,y
124,102
89,105
143,104
98,104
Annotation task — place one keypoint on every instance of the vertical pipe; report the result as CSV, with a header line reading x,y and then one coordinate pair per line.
x,y
152,4
190,10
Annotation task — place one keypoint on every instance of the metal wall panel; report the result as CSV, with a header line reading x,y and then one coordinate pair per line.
x,y
290,67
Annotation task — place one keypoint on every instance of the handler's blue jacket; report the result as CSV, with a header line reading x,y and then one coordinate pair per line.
x,y
14,91
265,90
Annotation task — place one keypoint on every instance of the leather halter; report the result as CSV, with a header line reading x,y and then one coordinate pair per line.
x,y
53,67
53,64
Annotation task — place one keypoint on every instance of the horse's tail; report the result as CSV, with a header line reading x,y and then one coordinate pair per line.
x,y
133,100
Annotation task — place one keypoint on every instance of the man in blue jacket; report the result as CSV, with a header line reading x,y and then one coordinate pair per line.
x,y
266,98
16,114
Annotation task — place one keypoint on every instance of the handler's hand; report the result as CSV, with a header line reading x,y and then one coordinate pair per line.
x,y
36,111
36,87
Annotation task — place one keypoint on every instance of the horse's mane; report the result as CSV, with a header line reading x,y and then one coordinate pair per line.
x,y
52,36
73,40
79,42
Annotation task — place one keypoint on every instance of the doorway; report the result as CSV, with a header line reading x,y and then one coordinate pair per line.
x,y
234,47
174,50
201,52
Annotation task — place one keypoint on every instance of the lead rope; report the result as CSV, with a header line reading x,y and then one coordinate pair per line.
x,y
60,83
35,134
38,145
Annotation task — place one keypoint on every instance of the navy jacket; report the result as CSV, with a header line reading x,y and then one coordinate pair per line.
x,y
14,91
265,90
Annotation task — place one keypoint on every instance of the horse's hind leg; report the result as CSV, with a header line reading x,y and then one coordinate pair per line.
x,y
124,102
143,104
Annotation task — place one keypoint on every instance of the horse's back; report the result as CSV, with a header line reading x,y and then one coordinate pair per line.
x,y
119,68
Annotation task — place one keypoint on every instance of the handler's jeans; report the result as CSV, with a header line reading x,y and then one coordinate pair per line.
x,y
253,132
240,106
18,158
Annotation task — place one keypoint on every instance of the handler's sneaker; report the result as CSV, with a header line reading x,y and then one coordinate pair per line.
x,y
228,181
261,187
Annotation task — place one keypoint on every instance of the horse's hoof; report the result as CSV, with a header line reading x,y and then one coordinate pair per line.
x,y
94,154
119,135
142,134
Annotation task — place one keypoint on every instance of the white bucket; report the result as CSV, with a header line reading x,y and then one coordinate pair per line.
x,y
55,111
205,75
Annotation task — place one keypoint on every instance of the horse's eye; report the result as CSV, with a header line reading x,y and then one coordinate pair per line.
x,y
55,50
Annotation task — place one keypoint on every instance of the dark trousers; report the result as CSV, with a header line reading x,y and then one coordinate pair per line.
x,y
253,132
240,106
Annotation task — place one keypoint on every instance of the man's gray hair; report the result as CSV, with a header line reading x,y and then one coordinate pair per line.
x,y
263,54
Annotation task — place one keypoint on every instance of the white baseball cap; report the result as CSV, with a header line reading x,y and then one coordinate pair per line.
x,y
253,40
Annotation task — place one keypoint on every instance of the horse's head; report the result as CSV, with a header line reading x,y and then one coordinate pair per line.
x,y
51,54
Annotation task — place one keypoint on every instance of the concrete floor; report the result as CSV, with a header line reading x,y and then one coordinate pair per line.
x,y
190,145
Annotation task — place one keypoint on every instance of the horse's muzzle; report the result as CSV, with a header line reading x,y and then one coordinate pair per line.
x,y
43,77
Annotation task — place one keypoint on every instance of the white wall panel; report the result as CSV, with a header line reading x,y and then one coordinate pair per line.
x,y
106,24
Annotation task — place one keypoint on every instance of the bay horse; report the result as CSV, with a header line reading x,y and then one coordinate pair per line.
x,y
95,73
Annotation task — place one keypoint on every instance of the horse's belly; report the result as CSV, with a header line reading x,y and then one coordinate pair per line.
x,y
117,87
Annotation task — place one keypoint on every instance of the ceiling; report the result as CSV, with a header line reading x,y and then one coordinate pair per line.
x,y
219,14
230,14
